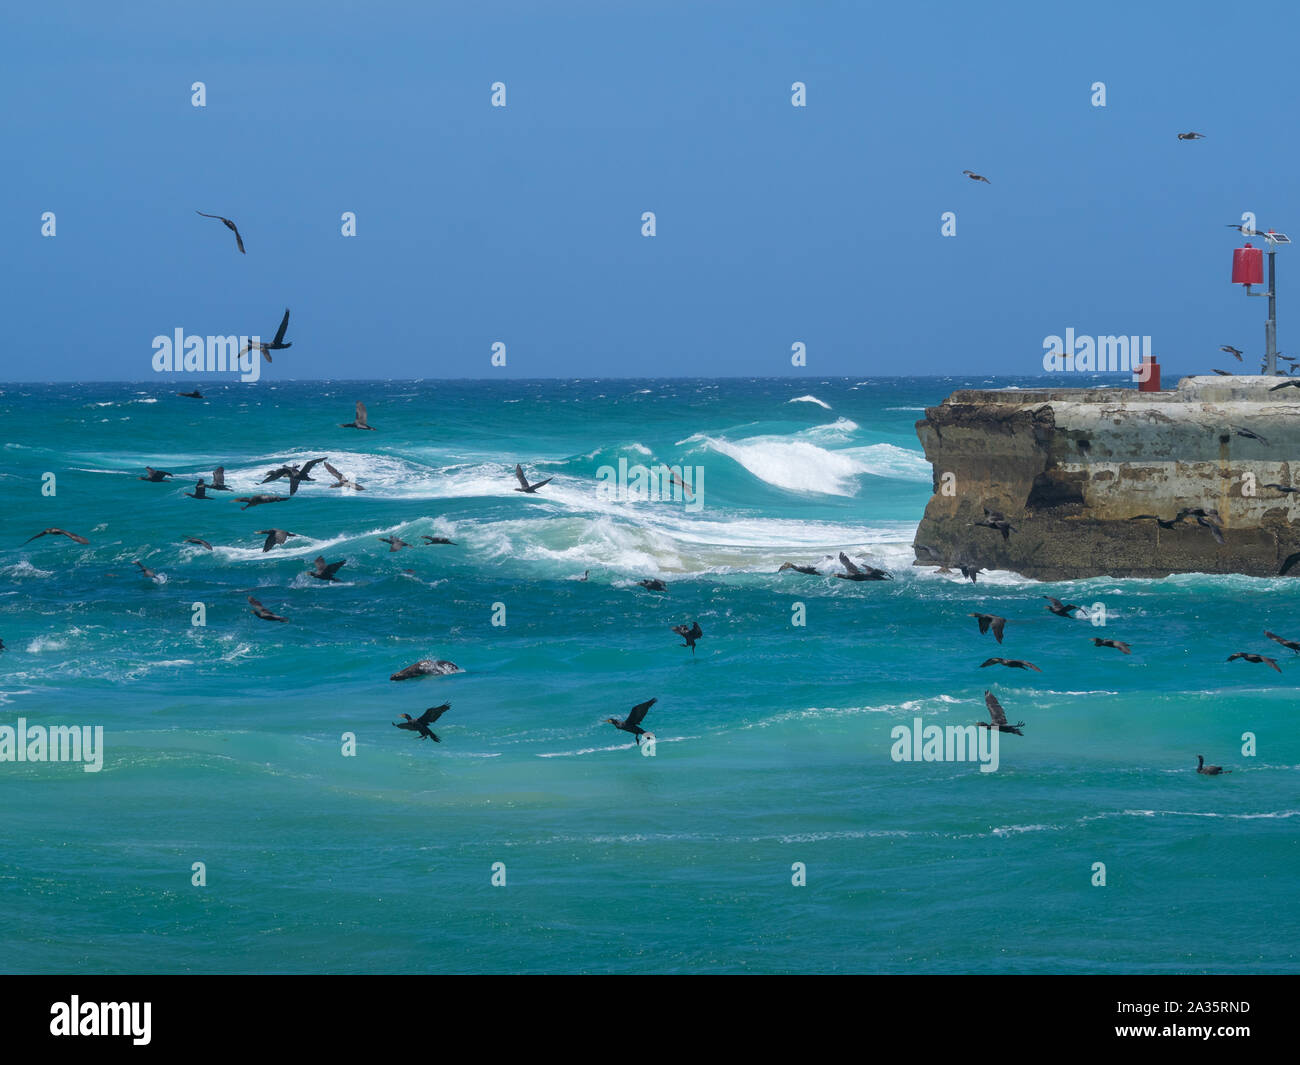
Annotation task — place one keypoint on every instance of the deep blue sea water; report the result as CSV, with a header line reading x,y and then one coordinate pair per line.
x,y
223,742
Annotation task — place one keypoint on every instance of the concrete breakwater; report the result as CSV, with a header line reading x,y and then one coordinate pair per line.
x,y
1069,468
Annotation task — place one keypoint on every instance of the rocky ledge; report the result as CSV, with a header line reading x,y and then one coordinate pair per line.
x,y
1070,468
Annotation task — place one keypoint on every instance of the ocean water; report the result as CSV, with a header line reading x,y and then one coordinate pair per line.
x,y
223,742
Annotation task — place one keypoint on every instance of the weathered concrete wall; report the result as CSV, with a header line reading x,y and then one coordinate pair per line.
x,y
1069,467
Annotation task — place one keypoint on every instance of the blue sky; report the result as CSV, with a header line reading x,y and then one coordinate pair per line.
x,y
523,224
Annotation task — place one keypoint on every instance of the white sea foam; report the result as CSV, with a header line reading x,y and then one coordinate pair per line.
x,y
811,399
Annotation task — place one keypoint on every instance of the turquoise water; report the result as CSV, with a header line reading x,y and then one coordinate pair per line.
x,y
223,742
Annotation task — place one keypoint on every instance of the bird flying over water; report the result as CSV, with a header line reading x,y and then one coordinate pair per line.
x,y
1294,645
1011,663
1206,519
394,543
295,474
342,482
145,571
1158,520
1257,659
58,532
200,491
1286,384
1061,610
1119,645
690,635
257,501
524,486
274,537
239,241
653,584
990,621
219,481
196,394
798,569
999,717
196,540
421,724
1191,136
429,541
1209,770
325,572
278,344
860,573
977,177
632,723
262,612
153,475
970,571
360,421
995,519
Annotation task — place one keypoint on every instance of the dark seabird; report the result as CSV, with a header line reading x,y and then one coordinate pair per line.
x,y
1286,384
1011,663
977,177
995,519
1290,560
1207,519
154,475
196,394
1222,373
632,723
196,540
1248,434
1158,520
1234,352
421,724
239,241
1061,610
690,635
1294,645
394,543
324,572
585,574
274,537
427,667
1281,487
1209,770
1191,136
219,481
524,486
654,584
429,541
1119,645
360,421
810,570
262,612
295,474
999,717
58,532
340,481
990,621
277,344
145,571
200,491
1257,659
257,501
970,571
860,573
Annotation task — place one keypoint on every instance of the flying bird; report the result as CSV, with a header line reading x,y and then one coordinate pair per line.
x,y
325,572
274,537
262,612
1222,373
196,394
1248,434
58,532
278,344
295,474
798,569
342,482
1209,770
1169,524
257,501
421,724
1245,231
153,475
860,573
999,717
632,723
1061,610
1257,659
219,481
1234,352
977,177
653,584
995,519
1011,663
1285,488
970,571
1206,519
200,491
239,241
1286,384
1294,645
690,635
145,571
1191,136
360,420
394,543
524,486
431,540
990,621
196,540
1119,645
